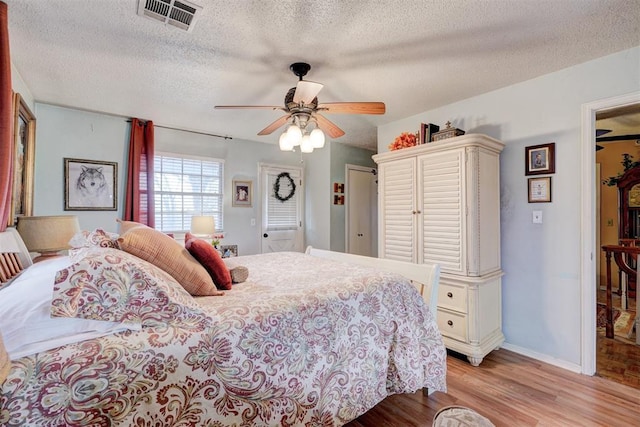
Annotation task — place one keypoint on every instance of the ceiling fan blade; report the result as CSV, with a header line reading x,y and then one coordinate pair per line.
x,y
618,138
328,126
275,125
353,107
306,91
248,107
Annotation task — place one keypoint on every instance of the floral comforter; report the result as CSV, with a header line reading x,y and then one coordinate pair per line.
x,y
305,341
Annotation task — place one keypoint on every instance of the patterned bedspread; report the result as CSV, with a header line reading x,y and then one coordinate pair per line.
x,y
305,341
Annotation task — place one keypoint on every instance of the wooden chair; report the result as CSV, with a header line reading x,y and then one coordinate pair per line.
x,y
621,255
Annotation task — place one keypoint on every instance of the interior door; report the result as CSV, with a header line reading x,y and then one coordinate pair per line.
x,y
282,196
361,204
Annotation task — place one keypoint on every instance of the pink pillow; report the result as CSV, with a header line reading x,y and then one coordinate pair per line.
x,y
210,259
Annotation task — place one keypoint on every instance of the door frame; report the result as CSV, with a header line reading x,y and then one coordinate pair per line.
x,y
590,254
347,214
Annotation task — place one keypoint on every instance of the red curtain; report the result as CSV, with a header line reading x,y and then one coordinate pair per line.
x,y
6,121
139,200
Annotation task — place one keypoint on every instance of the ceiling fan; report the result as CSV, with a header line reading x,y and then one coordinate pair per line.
x,y
303,112
600,138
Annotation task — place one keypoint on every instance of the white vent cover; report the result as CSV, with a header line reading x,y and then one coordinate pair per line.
x,y
181,14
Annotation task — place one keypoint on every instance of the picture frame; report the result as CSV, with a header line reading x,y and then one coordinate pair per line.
x,y
539,189
24,145
90,185
242,194
540,159
228,251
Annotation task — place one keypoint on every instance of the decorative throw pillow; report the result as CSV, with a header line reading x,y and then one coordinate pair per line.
x,y
239,274
162,251
125,226
210,259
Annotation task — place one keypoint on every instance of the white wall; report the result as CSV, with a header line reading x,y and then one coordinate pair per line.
x,y
64,132
19,86
541,288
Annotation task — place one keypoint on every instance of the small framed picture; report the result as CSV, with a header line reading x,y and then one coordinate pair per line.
x,y
229,251
242,193
540,159
540,190
90,185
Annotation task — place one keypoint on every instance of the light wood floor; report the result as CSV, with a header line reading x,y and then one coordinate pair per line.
x,y
514,390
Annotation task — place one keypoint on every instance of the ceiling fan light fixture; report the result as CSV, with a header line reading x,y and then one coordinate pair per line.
x,y
294,134
317,138
306,146
285,142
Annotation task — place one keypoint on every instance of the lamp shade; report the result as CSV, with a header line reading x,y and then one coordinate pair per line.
x,y
47,233
203,225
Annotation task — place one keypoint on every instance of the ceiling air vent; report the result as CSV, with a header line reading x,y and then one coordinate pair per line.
x,y
181,14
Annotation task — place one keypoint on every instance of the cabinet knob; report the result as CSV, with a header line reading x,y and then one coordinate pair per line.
x,y
413,212
449,294
450,322
419,211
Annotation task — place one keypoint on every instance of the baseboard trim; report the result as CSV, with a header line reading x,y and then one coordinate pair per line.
x,y
543,358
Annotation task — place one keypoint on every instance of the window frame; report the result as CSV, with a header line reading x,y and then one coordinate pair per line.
x,y
186,218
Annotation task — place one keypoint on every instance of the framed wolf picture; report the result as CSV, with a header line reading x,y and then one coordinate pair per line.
x,y
90,185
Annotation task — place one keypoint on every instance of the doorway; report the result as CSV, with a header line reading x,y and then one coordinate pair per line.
x,y
590,252
361,210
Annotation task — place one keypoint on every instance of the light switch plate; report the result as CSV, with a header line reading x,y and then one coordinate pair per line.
x,y
537,217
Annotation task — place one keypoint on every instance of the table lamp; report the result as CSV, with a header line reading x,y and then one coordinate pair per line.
x,y
47,235
203,225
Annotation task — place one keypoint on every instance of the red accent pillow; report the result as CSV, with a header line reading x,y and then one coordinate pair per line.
x,y
210,259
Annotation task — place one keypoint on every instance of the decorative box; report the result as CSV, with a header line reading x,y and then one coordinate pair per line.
x,y
448,132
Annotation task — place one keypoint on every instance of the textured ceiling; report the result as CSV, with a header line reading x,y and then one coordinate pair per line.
x,y
412,55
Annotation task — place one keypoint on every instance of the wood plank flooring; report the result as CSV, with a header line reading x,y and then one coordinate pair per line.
x,y
514,390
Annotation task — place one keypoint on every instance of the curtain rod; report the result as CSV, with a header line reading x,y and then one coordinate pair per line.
x,y
128,119
185,130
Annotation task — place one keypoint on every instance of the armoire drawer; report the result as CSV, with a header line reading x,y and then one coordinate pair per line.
x,y
452,325
452,297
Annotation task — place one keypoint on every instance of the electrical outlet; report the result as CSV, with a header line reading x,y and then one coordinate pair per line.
x,y
537,217
253,222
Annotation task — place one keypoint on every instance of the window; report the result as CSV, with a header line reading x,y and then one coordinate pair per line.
x,y
187,186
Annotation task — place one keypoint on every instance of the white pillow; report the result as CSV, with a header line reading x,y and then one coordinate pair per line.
x,y
25,314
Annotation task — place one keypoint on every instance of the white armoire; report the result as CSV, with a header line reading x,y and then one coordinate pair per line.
x,y
440,203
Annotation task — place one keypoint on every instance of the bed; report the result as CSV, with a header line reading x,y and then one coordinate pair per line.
x,y
309,339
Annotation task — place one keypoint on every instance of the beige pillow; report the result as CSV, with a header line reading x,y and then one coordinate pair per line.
x,y
125,226
5,363
162,251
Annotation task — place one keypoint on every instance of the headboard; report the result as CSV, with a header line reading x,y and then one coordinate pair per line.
x,y
14,256
425,277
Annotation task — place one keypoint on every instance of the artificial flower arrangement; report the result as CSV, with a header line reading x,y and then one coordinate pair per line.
x,y
404,140
216,239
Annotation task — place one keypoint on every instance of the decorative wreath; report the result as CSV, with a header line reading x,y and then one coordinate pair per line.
x,y
276,187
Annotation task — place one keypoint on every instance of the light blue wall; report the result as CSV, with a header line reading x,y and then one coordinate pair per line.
x,y
541,288
341,155
64,132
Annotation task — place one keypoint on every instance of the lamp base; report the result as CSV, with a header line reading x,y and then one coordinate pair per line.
x,y
45,256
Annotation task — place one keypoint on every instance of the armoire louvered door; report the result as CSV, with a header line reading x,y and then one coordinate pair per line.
x,y
397,187
443,222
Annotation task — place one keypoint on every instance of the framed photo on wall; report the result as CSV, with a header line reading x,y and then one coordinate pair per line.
x,y
242,193
24,145
90,185
540,159
540,190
